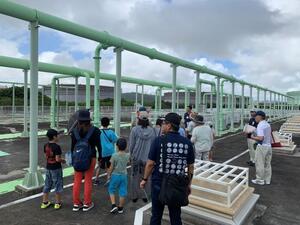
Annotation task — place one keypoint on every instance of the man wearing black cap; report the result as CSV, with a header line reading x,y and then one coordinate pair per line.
x,y
250,141
263,154
85,130
187,115
178,155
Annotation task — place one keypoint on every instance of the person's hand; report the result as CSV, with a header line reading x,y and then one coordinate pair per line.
x,y
143,184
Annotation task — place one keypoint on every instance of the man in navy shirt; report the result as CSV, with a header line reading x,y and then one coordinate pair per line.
x,y
187,115
180,155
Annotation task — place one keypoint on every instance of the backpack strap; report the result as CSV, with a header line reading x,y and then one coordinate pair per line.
x,y
106,136
89,133
76,134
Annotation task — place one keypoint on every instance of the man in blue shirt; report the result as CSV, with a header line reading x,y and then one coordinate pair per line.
x,y
180,155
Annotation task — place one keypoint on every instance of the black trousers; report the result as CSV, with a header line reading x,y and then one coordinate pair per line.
x,y
158,208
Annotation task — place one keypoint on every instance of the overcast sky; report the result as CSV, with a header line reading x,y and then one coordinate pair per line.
x,y
255,40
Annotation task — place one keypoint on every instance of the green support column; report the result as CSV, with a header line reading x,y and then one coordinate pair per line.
x,y
275,105
136,97
76,93
33,178
177,100
117,113
159,100
67,111
174,74
242,106
13,108
53,103
197,94
87,91
232,107
221,106
258,93
211,98
265,99
156,101
270,105
200,90
97,59
25,125
43,102
251,98
57,107
217,120
142,96
186,98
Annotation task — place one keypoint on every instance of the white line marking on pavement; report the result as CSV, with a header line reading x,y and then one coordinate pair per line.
x,y
235,157
40,194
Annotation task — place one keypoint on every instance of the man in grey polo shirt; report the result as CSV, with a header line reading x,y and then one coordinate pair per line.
x,y
263,156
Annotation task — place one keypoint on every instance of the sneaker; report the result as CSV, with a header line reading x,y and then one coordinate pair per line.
x,y
57,206
88,207
134,200
45,205
76,208
259,182
251,164
145,200
267,183
120,210
114,209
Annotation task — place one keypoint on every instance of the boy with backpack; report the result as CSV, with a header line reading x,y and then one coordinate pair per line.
x,y
85,141
108,139
117,176
54,174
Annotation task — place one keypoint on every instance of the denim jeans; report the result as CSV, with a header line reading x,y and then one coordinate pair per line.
x,y
54,178
158,208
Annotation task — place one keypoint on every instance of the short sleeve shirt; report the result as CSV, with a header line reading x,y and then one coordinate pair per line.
x,y
264,130
108,139
55,150
119,162
253,123
179,154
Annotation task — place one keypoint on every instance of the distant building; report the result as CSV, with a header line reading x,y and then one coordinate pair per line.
x,y
67,92
167,97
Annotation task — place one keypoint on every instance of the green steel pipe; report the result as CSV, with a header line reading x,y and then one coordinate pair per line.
x,y
29,14
136,97
142,96
66,96
25,126
242,106
197,94
185,98
217,119
117,114
232,108
156,101
270,105
59,69
43,101
174,74
87,90
159,101
13,103
57,103
76,93
33,177
265,99
251,99
52,107
211,98
97,84
258,92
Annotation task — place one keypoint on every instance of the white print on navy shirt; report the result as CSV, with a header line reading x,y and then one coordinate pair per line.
x,y
176,160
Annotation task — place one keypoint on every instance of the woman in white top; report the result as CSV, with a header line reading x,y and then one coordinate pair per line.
x,y
202,138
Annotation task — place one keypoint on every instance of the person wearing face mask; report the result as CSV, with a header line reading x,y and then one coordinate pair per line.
x,y
85,139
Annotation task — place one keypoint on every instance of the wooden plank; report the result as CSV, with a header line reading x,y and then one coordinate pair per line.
x,y
231,211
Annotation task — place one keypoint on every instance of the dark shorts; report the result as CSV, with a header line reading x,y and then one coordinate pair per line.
x,y
54,179
105,162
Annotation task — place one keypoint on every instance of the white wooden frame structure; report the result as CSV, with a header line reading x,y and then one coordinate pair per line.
x,y
230,181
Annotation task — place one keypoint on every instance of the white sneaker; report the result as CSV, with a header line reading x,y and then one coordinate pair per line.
x,y
259,182
88,207
268,183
